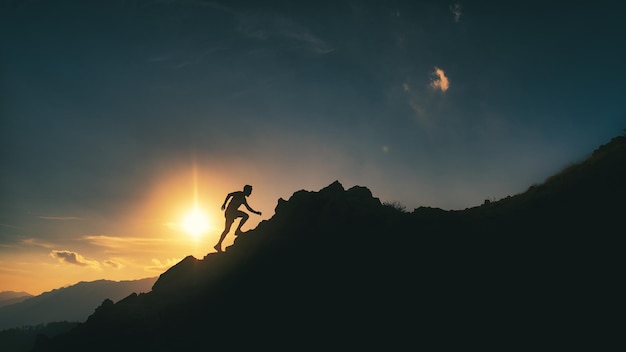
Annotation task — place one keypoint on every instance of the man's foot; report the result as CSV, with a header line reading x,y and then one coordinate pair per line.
x,y
218,247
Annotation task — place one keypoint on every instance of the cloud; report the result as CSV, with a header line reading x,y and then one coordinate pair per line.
x,y
160,266
310,41
420,98
38,242
418,111
60,218
124,246
113,264
70,257
456,11
268,26
440,81
112,242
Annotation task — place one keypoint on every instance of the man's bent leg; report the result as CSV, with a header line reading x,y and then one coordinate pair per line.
x,y
244,218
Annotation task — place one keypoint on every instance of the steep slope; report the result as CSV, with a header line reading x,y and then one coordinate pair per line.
x,y
336,269
590,189
73,303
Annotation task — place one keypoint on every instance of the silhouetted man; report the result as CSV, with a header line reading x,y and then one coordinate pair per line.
x,y
233,212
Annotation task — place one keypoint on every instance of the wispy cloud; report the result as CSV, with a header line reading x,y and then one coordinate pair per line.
x,y
2,245
423,99
418,110
439,80
124,242
10,226
160,266
38,242
113,264
268,26
263,26
74,258
60,218
309,40
456,11
112,245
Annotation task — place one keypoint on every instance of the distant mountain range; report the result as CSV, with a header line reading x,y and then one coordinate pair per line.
x,y
337,269
11,297
72,303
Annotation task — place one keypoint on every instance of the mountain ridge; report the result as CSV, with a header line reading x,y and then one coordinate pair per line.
x,y
72,303
339,268
12,297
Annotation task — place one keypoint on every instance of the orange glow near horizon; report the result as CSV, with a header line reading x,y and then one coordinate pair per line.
x,y
177,215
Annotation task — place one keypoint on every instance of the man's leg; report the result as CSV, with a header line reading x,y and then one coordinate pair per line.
x,y
229,222
244,217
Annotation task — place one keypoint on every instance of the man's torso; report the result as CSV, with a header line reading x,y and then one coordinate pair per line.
x,y
238,199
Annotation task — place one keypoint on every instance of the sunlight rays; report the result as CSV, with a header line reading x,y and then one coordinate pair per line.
x,y
195,222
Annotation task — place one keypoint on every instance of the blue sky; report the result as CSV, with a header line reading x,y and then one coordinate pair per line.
x,y
427,103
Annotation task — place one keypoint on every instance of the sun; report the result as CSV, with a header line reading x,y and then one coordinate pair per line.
x,y
196,223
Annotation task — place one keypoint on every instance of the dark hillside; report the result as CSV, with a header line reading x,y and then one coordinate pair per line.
x,y
336,269
596,181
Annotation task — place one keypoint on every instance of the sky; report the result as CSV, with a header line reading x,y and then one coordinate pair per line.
x,y
118,118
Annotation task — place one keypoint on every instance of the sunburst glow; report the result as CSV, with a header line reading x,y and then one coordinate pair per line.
x,y
196,223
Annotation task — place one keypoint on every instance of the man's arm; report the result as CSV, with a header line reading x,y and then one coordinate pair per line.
x,y
245,202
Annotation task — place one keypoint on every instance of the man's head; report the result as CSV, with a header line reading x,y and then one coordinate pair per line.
x,y
247,189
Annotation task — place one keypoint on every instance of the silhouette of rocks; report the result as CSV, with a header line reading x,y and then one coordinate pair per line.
x,y
336,269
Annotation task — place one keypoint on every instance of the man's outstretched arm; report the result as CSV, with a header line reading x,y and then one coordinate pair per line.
x,y
252,210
